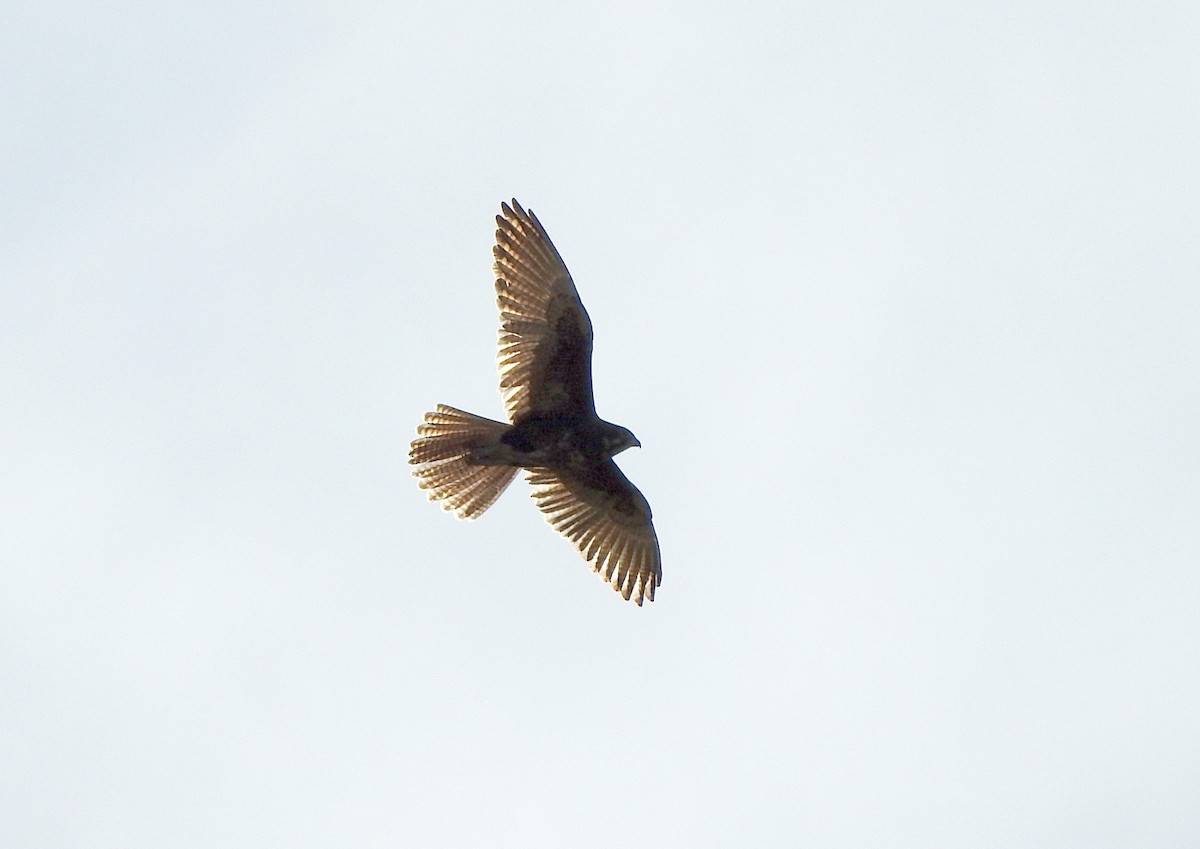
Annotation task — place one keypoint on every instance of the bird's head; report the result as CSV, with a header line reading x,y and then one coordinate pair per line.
x,y
617,439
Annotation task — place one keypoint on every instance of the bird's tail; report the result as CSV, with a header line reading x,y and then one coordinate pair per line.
x,y
440,453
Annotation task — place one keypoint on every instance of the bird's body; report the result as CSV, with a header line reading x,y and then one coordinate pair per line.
x,y
467,461
573,443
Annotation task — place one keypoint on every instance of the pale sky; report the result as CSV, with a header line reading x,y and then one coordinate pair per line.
x,y
902,301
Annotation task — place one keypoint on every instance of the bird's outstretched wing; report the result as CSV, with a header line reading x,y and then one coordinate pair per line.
x,y
545,355
608,520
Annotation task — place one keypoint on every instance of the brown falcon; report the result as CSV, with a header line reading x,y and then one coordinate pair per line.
x,y
545,359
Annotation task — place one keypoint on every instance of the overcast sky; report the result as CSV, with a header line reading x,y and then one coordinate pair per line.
x,y
901,299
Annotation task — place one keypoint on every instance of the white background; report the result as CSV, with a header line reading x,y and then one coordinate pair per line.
x,y
902,299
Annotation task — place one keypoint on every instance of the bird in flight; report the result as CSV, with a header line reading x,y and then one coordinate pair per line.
x,y
545,360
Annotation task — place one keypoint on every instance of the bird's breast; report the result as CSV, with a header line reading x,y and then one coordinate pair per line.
x,y
563,442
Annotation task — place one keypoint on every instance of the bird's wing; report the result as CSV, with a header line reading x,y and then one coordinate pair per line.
x,y
608,520
545,356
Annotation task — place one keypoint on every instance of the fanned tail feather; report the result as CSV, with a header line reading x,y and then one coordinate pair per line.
x,y
440,455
